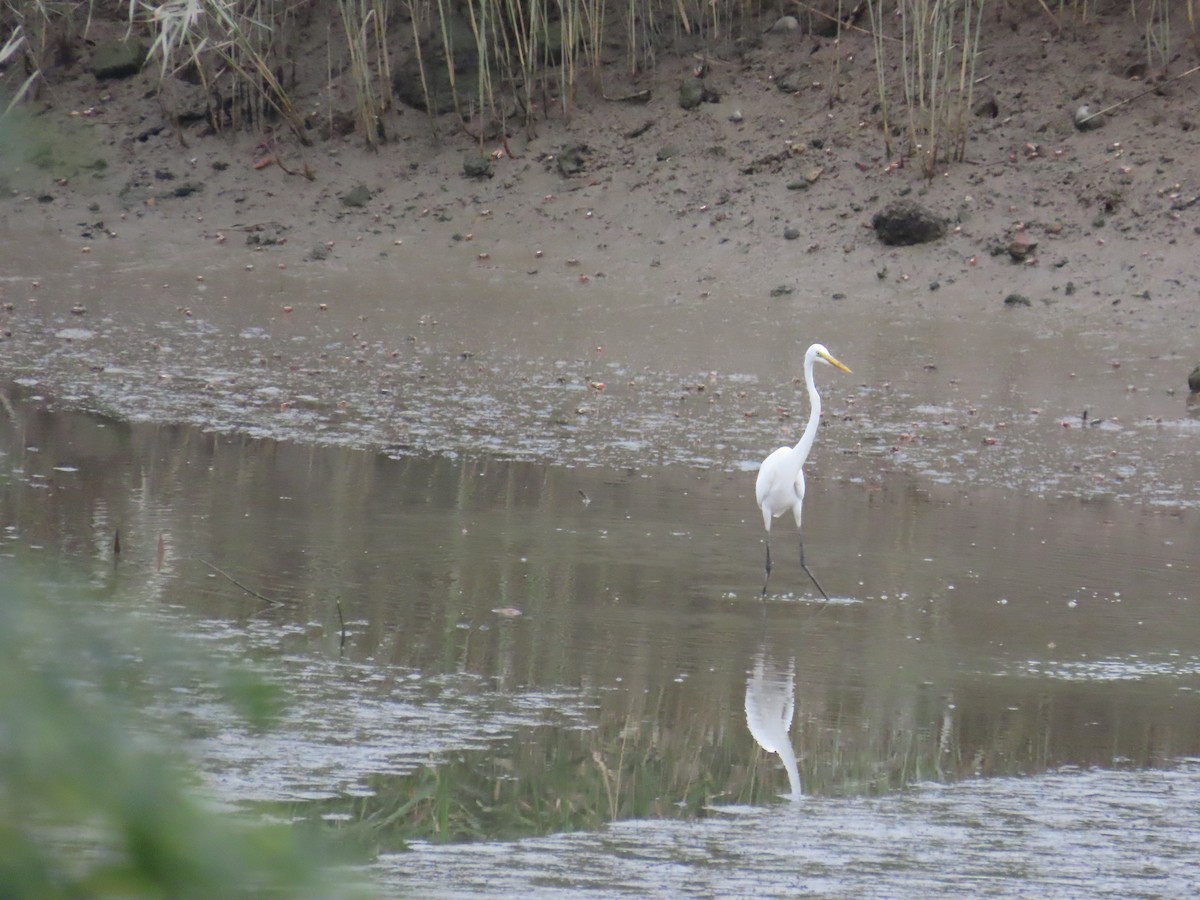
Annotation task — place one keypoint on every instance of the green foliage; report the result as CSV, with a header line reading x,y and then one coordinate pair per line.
x,y
92,803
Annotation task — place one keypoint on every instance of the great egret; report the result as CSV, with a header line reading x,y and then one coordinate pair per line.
x,y
780,484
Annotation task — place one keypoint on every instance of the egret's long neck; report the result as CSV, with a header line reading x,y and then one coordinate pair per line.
x,y
814,416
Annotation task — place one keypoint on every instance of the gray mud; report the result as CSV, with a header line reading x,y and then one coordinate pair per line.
x,y
495,362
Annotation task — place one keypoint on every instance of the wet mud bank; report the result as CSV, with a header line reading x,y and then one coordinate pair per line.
x,y
389,356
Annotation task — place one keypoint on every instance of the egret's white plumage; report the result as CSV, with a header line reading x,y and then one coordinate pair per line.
x,y
780,484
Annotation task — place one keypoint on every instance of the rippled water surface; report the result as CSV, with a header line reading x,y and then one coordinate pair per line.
x,y
1099,833
507,677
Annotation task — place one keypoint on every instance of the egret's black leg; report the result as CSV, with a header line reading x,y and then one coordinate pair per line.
x,y
768,578
804,566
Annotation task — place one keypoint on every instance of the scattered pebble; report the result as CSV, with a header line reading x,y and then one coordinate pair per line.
x,y
1085,120
785,25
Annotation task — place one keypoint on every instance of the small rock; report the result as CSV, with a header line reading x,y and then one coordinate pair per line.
x,y
735,116
666,153
1085,120
357,196
1017,300
117,59
790,82
691,93
268,234
342,123
904,223
1021,248
785,25
187,188
808,179
791,233
986,107
1194,380
477,165
186,102
782,290
570,160
639,130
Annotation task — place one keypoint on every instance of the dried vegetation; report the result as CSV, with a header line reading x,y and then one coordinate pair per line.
x,y
496,64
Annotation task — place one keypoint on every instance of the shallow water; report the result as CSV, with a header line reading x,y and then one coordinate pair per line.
x,y
1002,697
1084,834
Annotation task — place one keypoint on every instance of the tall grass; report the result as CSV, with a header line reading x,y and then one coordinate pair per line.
x,y
12,46
234,49
521,57
39,31
938,45
496,58
504,59
365,23
524,52
1157,32
875,12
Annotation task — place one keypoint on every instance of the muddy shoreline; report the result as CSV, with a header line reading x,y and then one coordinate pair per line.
x,y
649,310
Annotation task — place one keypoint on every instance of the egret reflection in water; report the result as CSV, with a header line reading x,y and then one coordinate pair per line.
x,y
770,705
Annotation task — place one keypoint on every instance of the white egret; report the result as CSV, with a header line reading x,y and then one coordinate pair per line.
x,y
780,484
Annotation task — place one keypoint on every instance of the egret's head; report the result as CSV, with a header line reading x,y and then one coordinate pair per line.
x,y
818,351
